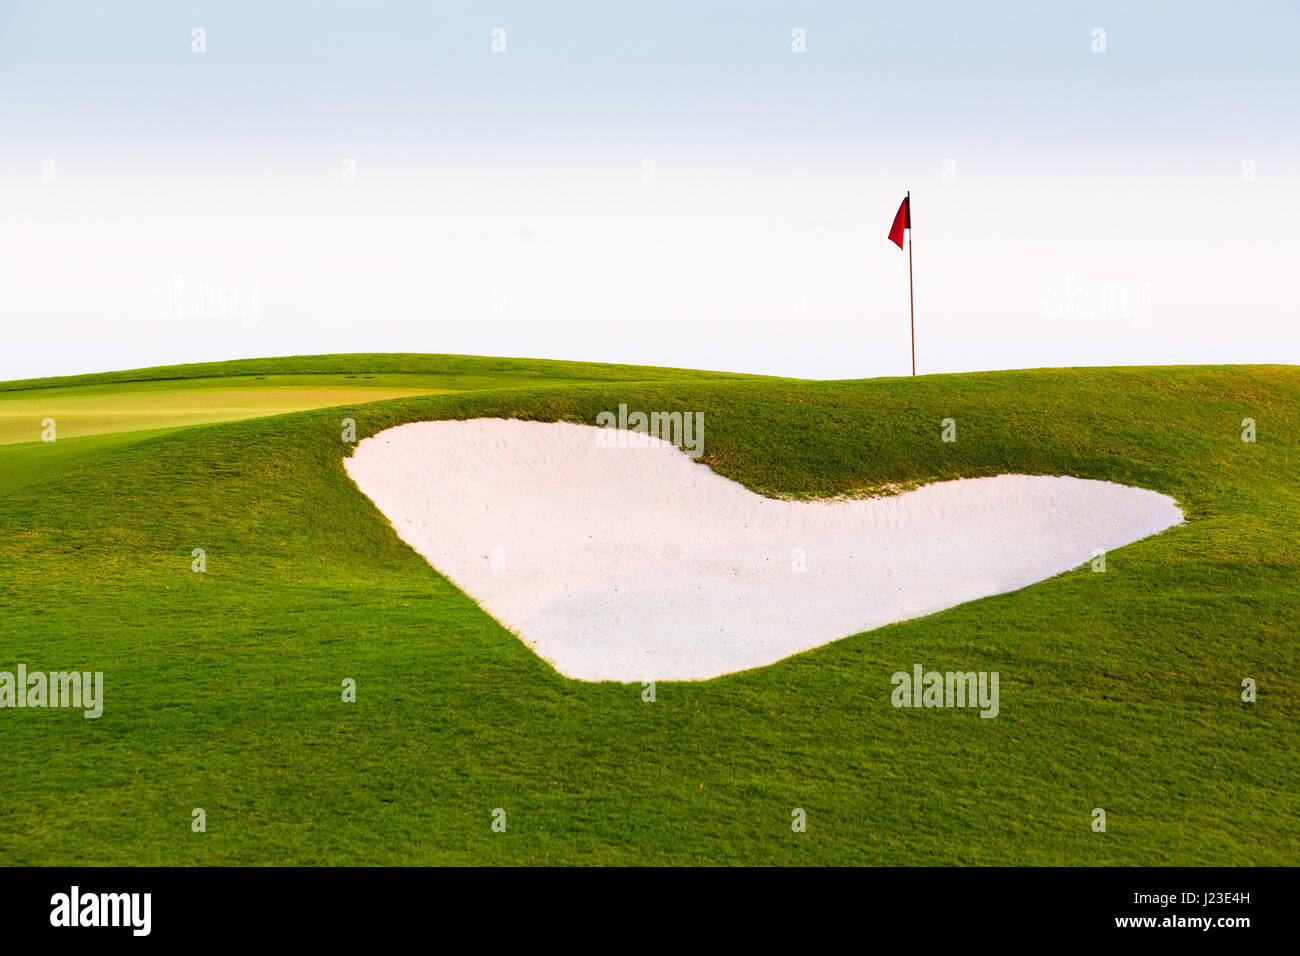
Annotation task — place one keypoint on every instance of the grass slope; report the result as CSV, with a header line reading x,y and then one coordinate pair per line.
x,y
454,371
1119,690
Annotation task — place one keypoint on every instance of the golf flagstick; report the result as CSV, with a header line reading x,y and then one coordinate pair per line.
x,y
903,220
911,295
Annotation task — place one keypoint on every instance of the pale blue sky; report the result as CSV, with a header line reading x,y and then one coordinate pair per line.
x,y
500,202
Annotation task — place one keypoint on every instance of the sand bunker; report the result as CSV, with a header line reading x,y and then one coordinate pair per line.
x,y
637,563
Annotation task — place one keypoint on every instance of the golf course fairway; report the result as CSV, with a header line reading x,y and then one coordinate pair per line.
x,y
224,689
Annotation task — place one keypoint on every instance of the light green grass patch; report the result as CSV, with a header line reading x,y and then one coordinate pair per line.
x,y
78,412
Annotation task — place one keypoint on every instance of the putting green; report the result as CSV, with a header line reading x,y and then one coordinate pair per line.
x,y
84,410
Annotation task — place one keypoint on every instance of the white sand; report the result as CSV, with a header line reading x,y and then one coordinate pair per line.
x,y
633,564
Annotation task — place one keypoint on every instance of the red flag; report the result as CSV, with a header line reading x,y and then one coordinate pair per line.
x,y
901,221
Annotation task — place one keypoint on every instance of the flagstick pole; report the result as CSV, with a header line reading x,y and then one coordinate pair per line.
x,y
911,296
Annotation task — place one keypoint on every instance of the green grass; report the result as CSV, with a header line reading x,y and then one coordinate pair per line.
x,y
457,372
151,406
1119,690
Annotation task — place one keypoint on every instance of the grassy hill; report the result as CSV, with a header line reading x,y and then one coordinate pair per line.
x,y
1119,690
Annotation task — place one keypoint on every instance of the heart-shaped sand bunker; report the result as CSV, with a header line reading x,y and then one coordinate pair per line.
x,y
637,563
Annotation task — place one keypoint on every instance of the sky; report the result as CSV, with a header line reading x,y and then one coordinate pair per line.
x,y
682,184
